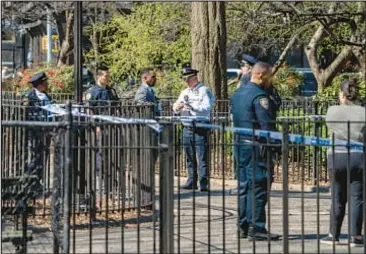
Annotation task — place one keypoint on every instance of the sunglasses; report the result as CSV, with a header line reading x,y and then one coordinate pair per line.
x,y
187,78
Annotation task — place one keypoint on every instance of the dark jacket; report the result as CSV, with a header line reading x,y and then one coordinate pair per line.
x,y
100,97
33,112
252,103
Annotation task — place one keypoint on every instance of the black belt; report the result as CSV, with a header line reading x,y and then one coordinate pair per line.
x,y
191,128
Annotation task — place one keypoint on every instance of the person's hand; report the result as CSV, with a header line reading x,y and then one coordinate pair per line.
x,y
178,106
98,131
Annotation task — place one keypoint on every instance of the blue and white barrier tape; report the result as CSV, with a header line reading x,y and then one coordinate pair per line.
x,y
58,110
294,138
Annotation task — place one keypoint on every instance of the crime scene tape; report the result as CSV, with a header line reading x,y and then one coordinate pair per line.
x,y
191,120
59,110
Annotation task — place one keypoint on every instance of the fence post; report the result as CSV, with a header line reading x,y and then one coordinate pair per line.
x,y
67,180
315,157
285,151
166,185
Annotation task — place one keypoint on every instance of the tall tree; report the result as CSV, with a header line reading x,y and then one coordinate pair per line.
x,y
317,27
208,34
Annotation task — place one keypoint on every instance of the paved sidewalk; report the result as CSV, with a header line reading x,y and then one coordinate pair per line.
x,y
213,228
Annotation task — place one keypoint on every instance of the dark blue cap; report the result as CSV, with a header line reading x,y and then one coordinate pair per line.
x,y
247,59
38,78
189,72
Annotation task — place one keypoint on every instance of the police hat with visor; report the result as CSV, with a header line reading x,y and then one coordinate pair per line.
x,y
249,60
188,72
38,78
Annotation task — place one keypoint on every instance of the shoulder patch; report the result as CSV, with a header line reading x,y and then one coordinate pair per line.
x,y
25,101
264,103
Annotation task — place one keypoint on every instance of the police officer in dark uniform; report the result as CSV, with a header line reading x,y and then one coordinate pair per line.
x,y
37,97
37,140
101,95
247,64
251,105
246,68
102,100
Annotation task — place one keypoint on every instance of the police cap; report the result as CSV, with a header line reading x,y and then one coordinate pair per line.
x,y
189,72
247,59
38,78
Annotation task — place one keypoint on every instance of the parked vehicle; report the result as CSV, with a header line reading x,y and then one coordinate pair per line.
x,y
309,86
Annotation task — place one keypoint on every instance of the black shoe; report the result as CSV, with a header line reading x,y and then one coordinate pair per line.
x,y
261,235
356,242
188,186
203,189
329,240
243,234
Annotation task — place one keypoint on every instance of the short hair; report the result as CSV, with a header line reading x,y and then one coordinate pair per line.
x,y
261,67
101,70
146,71
350,89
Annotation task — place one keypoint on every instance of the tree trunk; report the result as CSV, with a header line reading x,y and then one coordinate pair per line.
x,y
208,34
67,44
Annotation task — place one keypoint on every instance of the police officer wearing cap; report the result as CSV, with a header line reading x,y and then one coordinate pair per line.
x,y
251,108
247,64
196,100
37,140
36,97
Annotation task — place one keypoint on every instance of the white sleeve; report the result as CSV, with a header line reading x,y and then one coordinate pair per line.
x,y
208,100
179,100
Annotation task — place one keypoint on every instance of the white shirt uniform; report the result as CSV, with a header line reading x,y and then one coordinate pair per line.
x,y
200,98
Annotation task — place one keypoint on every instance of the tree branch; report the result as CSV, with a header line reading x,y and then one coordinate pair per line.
x,y
288,48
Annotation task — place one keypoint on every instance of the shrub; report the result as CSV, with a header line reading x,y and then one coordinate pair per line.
x,y
287,82
331,92
60,80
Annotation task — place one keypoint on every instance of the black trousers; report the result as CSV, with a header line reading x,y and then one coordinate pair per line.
x,y
337,168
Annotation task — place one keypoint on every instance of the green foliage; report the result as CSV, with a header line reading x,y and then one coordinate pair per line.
x,y
153,35
287,82
331,92
60,80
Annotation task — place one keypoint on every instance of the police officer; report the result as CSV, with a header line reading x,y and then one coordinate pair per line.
x,y
36,97
102,100
252,103
246,66
101,94
196,100
337,163
37,140
145,93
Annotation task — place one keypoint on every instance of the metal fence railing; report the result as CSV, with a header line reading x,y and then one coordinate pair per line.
x,y
294,110
111,181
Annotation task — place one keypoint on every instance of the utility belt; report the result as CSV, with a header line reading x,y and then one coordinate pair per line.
x,y
272,147
196,129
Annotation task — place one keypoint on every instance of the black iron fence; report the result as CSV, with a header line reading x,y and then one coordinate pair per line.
x,y
105,193
314,159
